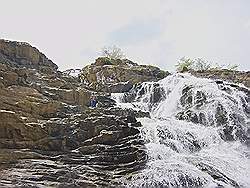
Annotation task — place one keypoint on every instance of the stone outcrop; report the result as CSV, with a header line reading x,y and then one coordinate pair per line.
x,y
116,76
24,55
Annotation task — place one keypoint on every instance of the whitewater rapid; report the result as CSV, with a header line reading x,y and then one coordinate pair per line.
x,y
197,134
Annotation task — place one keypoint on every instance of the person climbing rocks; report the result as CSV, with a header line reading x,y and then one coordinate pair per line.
x,y
93,102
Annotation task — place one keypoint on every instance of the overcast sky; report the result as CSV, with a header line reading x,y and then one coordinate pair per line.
x,y
157,32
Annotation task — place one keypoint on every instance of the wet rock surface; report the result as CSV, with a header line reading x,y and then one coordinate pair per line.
x,y
198,134
231,122
155,94
197,104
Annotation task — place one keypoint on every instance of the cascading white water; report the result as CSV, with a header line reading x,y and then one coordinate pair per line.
x,y
196,136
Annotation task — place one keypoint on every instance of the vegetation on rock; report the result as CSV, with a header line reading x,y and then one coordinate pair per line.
x,y
199,64
112,52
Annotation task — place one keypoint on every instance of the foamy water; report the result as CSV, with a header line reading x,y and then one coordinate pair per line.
x,y
184,153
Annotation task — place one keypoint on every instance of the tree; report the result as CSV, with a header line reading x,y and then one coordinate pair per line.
x,y
112,52
184,64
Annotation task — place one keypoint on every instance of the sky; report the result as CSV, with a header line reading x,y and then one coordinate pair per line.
x,y
157,32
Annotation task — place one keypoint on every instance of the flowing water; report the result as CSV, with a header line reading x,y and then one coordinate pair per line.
x,y
198,133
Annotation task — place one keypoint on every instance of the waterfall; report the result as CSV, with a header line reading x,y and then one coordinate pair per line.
x,y
198,133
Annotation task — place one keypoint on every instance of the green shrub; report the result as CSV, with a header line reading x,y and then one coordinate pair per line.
x,y
184,64
199,64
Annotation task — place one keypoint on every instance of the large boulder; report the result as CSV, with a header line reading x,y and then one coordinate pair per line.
x,y
111,75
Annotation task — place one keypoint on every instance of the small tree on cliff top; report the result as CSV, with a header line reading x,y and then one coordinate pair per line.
x,y
112,52
184,64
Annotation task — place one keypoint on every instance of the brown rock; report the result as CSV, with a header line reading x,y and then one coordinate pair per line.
x,y
10,78
79,96
23,54
41,108
13,128
104,74
82,96
105,137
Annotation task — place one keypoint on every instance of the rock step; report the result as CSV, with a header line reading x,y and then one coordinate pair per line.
x,y
105,159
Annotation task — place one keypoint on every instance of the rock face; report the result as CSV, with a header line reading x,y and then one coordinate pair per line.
x,y
226,75
118,75
48,134
85,149
24,55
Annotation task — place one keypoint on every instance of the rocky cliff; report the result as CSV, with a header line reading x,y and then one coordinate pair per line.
x,y
49,137
48,134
